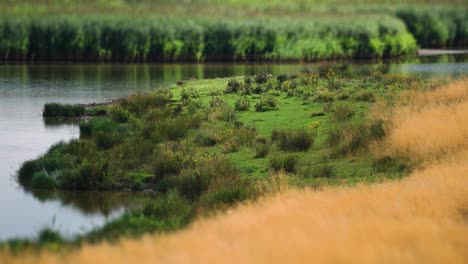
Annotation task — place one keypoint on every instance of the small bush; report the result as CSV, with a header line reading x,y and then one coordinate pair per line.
x,y
261,150
233,86
282,78
283,162
86,129
266,103
221,111
342,112
262,78
328,107
27,170
293,139
49,236
318,171
389,164
231,146
365,96
119,114
107,139
42,180
242,104
170,158
348,137
324,97
189,184
63,110
206,138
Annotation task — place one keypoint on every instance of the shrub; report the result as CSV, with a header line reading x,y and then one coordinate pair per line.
x,y
189,184
231,146
221,111
206,138
233,86
107,139
282,78
261,150
49,236
342,112
242,104
293,139
328,107
86,129
27,170
349,137
62,110
169,158
119,114
284,162
324,97
42,180
365,96
389,164
318,171
266,103
262,78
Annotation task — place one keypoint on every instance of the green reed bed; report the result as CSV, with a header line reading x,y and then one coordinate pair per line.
x,y
122,38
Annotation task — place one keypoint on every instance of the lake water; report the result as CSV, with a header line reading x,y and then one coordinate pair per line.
x,y
24,89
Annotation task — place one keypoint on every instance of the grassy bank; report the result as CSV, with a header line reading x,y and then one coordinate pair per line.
x,y
305,226
209,144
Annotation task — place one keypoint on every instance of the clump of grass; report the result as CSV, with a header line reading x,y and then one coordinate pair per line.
x,y
324,97
42,180
342,112
349,137
233,86
261,149
284,162
318,171
170,158
242,104
266,103
27,170
231,146
262,78
119,114
293,139
63,110
365,96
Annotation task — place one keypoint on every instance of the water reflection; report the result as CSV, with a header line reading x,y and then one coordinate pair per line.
x,y
90,203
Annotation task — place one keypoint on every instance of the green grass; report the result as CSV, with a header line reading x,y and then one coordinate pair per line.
x,y
202,155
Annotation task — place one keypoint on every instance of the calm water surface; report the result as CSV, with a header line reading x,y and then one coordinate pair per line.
x,y
24,135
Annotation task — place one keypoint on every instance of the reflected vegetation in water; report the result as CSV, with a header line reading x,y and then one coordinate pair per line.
x,y
24,134
89,203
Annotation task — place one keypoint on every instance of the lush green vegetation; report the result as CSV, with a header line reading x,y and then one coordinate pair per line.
x,y
62,110
120,38
438,28
224,31
191,145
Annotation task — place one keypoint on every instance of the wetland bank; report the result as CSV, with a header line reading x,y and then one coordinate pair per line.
x,y
186,142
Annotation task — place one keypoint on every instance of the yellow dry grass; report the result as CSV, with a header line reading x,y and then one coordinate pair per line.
x,y
429,125
422,219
